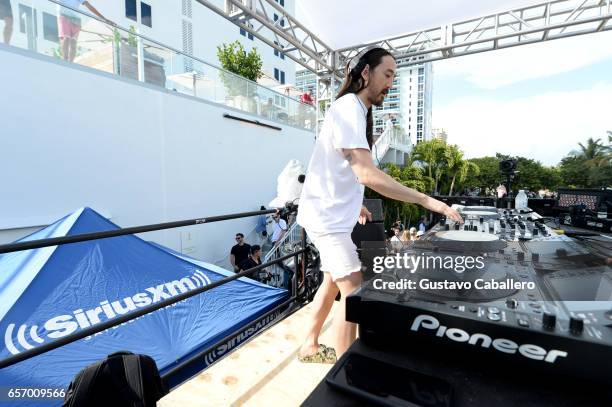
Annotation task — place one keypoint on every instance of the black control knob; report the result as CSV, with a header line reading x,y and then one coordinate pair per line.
x,y
447,227
457,226
576,325
481,219
534,232
535,257
466,227
442,221
520,256
512,303
549,320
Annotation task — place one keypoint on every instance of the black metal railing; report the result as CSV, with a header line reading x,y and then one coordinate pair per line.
x,y
298,265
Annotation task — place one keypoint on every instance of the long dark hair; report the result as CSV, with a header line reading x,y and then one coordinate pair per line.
x,y
354,83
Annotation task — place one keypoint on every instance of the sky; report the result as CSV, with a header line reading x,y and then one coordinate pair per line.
x,y
537,101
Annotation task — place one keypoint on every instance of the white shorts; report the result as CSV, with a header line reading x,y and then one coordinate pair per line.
x,y
338,253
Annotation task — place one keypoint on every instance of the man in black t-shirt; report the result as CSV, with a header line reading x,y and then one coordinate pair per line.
x,y
240,251
254,260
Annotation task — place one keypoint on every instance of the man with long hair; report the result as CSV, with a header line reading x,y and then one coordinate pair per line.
x,y
331,202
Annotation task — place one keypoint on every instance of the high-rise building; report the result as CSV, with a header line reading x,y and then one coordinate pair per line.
x,y
439,134
306,81
409,103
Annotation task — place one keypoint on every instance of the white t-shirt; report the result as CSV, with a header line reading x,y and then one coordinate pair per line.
x,y
332,195
278,228
70,3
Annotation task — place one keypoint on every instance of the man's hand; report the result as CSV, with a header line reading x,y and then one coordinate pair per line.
x,y
364,215
452,214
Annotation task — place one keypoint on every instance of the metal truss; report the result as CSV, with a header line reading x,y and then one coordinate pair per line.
x,y
286,34
521,26
526,25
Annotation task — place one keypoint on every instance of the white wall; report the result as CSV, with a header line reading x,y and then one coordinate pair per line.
x,y
72,137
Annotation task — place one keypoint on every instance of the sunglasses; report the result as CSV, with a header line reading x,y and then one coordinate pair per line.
x,y
238,237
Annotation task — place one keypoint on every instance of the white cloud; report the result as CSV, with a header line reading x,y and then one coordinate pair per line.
x,y
543,127
346,23
492,70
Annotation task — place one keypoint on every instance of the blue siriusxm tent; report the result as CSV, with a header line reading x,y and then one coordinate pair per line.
x,y
48,293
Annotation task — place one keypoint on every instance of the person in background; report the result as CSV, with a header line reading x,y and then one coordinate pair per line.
x,y
240,251
6,14
260,228
413,233
279,227
422,225
69,26
501,191
306,98
405,236
418,235
254,260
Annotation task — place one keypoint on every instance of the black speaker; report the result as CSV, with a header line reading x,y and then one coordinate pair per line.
x,y
370,238
543,206
370,232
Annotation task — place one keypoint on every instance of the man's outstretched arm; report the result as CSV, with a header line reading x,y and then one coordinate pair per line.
x,y
361,163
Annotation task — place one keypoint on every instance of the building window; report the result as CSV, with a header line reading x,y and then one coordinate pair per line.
x,y
279,75
244,33
145,12
50,27
282,21
420,127
130,9
421,71
420,119
277,52
281,2
27,20
145,15
421,88
420,103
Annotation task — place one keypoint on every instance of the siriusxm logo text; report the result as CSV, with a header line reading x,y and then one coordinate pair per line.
x,y
63,325
234,342
502,345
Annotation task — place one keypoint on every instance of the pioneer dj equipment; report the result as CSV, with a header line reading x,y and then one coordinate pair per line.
x,y
540,300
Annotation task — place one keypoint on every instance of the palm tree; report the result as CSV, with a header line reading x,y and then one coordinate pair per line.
x,y
593,149
466,168
431,153
454,161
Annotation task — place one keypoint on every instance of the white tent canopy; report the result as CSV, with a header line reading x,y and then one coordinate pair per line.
x,y
346,23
